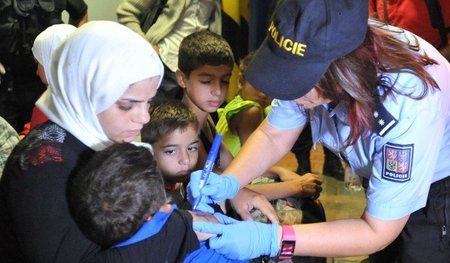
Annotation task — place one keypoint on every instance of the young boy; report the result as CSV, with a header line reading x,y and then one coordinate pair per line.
x,y
205,64
118,201
173,134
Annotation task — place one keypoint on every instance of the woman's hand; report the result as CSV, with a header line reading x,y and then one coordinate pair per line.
x,y
241,239
216,189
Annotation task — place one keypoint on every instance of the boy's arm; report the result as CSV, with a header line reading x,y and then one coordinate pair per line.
x,y
202,216
225,157
308,185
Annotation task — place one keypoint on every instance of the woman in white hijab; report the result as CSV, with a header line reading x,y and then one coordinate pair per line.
x,y
44,46
102,79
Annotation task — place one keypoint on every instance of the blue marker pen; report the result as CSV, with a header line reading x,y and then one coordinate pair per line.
x,y
209,164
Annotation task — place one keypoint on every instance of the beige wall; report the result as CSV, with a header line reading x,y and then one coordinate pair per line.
x,y
100,10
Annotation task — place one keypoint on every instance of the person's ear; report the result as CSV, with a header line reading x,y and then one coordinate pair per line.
x,y
181,77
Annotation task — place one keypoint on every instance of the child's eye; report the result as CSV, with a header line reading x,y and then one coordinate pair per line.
x,y
169,152
193,148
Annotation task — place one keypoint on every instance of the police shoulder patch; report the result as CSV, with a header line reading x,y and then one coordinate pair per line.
x,y
384,121
397,162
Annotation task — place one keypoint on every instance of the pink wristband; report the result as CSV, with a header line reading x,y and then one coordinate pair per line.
x,y
287,242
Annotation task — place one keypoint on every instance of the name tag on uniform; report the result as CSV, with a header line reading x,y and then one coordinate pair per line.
x,y
397,162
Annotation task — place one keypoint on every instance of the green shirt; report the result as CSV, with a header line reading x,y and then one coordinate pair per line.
x,y
231,140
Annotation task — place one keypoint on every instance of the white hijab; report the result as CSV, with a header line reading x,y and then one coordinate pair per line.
x,y
47,41
90,71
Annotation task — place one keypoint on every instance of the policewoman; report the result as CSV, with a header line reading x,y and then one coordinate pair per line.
x,y
376,95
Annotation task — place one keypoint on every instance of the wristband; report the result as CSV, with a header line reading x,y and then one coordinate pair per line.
x,y
287,243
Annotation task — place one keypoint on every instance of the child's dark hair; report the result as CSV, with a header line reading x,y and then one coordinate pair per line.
x,y
115,192
244,64
165,117
203,48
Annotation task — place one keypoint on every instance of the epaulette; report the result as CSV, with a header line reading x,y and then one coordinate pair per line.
x,y
384,121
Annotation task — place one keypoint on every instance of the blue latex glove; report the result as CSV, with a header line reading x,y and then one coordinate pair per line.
x,y
241,239
218,188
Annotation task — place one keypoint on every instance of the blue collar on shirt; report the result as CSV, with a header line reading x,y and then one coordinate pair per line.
x,y
148,229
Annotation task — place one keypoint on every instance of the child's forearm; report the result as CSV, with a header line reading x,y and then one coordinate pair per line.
x,y
273,191
283,174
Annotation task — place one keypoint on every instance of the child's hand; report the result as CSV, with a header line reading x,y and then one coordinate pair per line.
x,y
308,185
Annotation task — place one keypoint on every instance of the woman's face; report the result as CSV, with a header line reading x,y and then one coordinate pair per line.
x,y
312,99
123,121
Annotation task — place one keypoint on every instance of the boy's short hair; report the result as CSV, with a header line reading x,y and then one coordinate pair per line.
x,y
244,64
166,116
203,48
115,192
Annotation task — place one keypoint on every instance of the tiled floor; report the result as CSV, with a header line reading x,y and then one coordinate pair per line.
x,y
337,201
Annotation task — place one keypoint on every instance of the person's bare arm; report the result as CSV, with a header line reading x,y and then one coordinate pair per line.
x,y
244,124
308,185
265,147
201,216
339,238
347,237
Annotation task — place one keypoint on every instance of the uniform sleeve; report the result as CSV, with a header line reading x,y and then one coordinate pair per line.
x,y
131,12
405,159
286,115
77,9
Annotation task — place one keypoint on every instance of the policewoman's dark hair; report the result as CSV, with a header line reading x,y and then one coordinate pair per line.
x,y
354,78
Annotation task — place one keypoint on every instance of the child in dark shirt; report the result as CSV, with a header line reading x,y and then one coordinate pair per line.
x,y
118,201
